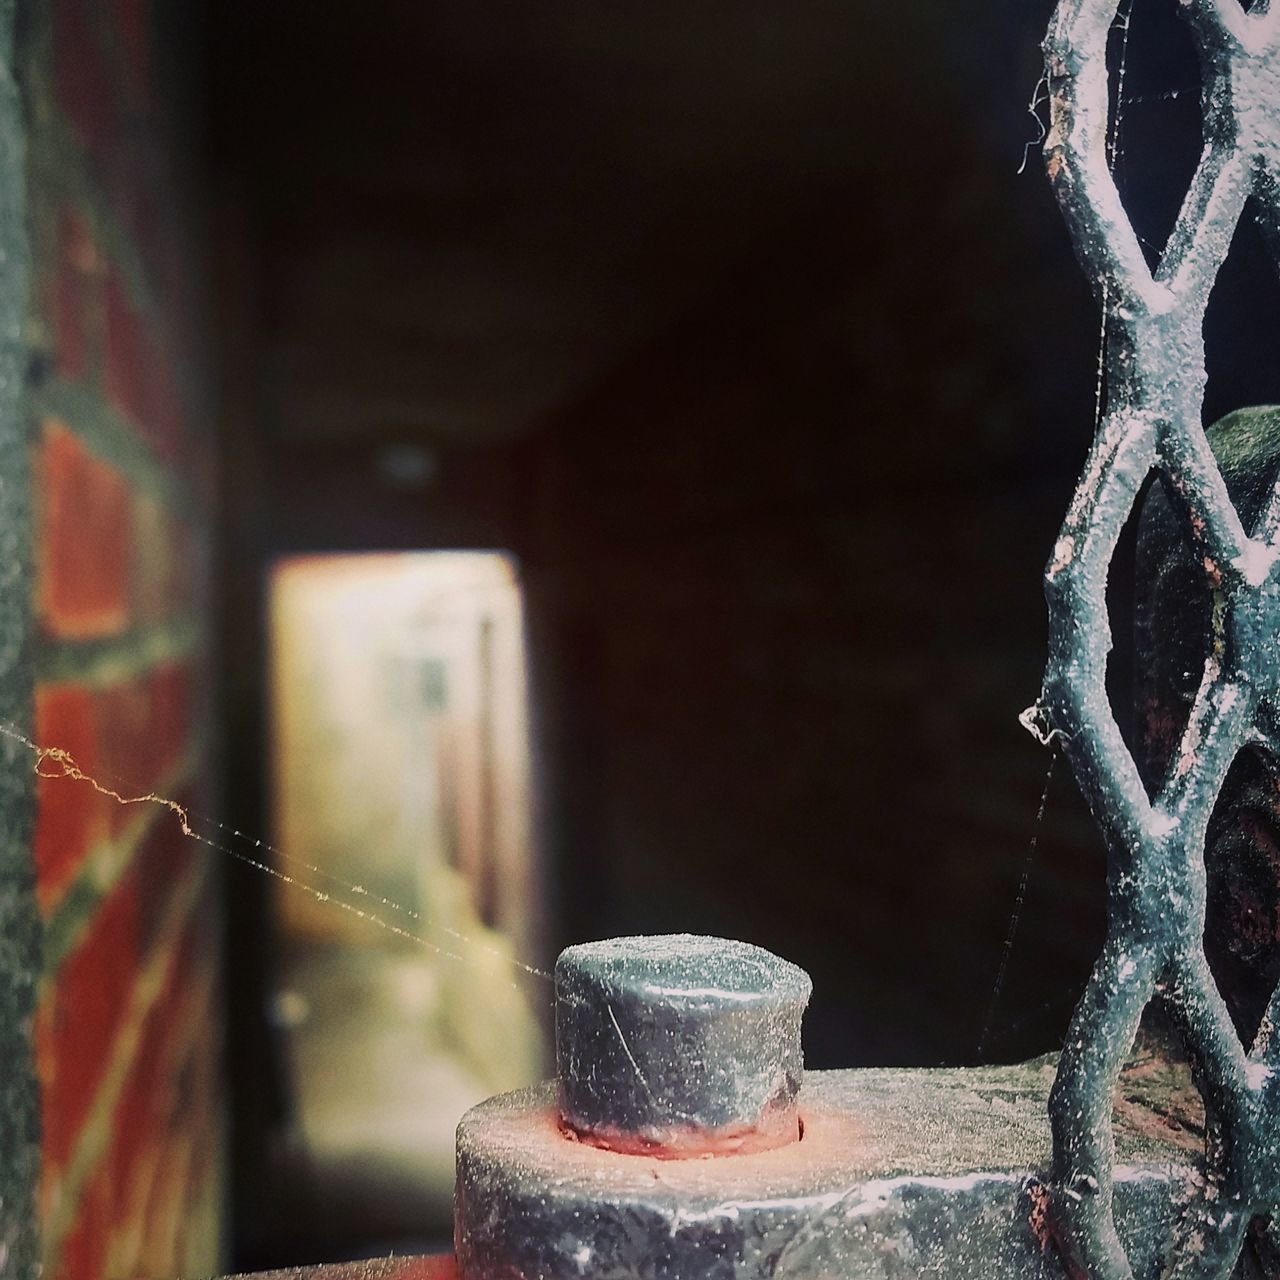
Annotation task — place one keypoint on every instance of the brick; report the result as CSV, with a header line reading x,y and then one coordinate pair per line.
x,y
165,1208
84,1251
167,259
160,552
126,182
204,466
81,76
110,559
132,25
87,1008
126,358
176,1182
166,412
82,545
144,725
172,686
160,1097
73,296
126,748
156,1102
42,1044
70,815
136,377
139,1122
146,208
164,860
142,1181
201,1194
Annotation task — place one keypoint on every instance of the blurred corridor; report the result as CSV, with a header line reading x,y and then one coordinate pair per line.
x,y
533,473
400,767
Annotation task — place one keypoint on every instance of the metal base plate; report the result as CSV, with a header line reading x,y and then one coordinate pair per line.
x,y
899,1174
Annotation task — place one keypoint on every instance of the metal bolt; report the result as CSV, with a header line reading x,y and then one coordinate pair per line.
x,y
679,1045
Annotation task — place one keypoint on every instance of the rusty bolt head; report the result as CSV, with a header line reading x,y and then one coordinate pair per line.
x,y
679,1045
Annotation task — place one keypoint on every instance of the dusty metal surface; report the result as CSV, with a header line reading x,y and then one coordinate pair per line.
x,y
679,1045
1157,885
422,1268
899,1174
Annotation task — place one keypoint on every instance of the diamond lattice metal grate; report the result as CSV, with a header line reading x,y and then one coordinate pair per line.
x,y
1155,381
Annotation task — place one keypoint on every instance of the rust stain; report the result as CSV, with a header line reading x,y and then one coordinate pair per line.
x,y
1040,1217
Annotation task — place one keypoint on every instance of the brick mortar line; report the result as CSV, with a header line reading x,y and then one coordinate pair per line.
x,y
95,1134
101,663
67,921
112,438
61,171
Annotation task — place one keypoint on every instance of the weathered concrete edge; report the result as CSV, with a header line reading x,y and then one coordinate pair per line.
x,y
880,1229
19,927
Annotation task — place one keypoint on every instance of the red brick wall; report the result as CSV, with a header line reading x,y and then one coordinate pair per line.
x,y
127,1037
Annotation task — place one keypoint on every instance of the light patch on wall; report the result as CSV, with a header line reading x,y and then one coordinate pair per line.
x,y
400,763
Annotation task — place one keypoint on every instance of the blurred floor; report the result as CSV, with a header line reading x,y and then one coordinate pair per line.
x,y
377,1093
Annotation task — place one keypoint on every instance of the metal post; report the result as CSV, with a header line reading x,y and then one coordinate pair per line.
x,y
1155,379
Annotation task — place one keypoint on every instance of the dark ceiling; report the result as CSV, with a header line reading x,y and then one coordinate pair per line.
x,y
465,214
